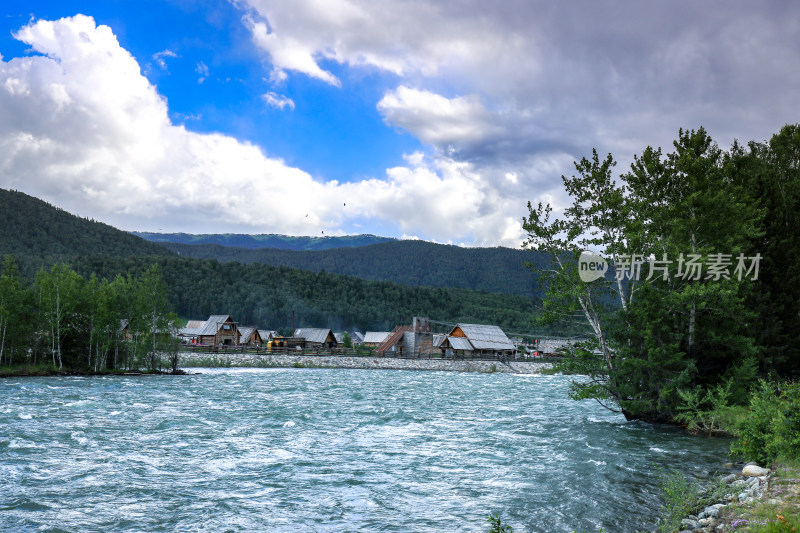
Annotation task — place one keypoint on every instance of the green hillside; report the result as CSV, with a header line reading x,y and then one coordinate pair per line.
x,y
266,296
37,233
407,262
267,240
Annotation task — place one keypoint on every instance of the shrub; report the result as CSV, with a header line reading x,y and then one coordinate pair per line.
x,y
772,427
497,525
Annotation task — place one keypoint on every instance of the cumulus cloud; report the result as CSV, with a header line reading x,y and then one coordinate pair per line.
x,y
497,84
83,128
278,101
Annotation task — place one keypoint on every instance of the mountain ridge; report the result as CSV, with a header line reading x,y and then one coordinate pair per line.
x,y
264,240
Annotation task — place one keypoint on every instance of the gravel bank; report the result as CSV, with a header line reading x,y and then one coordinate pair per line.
x,y
331,361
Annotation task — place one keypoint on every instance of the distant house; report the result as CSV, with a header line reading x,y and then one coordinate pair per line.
x,y
374,338
479,339
339,335
456,346
188,333
316,338
415,339
357,337
552,346
219,330
267,335
249,336
125,329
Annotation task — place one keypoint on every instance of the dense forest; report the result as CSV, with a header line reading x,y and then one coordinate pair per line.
x,y
407,262
38,234
263,295
66,321
265,240
707,243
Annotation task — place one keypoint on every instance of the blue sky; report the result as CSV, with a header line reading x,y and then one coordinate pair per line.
x,y
433,119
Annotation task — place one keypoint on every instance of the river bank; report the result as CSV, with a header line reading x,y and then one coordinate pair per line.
x,y
753,499
334,361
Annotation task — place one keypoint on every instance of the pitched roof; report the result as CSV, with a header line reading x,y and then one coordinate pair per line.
x,y
246,332
551,345
438,339
484,337
460,343
376,337
319,335
357,336
267,334
212,324
194,324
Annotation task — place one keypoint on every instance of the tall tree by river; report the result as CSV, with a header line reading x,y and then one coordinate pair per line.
x,y
685,234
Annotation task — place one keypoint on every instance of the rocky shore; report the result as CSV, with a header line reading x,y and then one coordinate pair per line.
x,y
332,361
749,489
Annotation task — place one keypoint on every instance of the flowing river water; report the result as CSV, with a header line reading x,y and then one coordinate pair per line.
x,y
327,450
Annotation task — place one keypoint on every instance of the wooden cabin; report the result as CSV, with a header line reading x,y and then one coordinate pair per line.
x,y
219,330
250,336
316,338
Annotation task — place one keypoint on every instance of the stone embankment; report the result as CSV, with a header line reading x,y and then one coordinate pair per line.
x,y
334,361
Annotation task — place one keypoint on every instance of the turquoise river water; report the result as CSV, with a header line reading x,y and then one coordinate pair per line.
x,y
327,450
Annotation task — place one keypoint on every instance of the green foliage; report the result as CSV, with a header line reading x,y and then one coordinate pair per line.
x,y
667,332
347,342
497,525
266,296
772,427
707,410
682,497
415,263
39,235
76,322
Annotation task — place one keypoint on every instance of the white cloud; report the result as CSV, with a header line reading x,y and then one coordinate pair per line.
x,y
506,96
201,69
84,129
159,58
435,119
278,100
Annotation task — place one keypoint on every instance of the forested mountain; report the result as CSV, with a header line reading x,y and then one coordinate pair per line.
x,y
268,240
266,296
407,262
37,233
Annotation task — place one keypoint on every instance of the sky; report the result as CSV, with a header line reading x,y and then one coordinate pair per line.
x,y
429,119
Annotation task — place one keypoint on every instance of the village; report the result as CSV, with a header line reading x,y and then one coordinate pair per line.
x,y
464,341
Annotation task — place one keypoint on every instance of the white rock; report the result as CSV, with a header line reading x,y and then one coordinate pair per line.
x,y
754,470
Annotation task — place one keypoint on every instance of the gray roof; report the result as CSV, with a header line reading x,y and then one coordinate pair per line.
x,y
438,339
339,337
312,334
460,343
376,337
551,345
486,337
357,337
212,324
267,334
246,332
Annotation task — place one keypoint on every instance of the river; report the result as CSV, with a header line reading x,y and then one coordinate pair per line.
x,y
290,450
